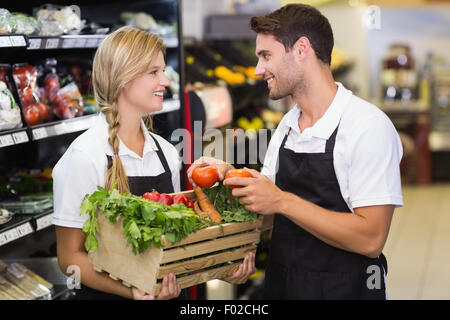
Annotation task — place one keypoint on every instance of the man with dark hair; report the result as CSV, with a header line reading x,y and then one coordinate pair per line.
x,y
331,173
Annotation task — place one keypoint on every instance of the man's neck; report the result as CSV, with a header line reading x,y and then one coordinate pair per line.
x,y
315,98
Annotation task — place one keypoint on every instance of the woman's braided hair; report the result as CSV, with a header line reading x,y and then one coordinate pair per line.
x,y
123,56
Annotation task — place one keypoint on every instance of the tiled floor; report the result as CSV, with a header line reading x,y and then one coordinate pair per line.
x,y
418,247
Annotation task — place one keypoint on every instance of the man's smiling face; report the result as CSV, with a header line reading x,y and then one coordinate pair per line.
x,y
278,67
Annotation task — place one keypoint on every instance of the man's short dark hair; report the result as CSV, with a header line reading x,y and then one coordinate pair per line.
x,y
293,21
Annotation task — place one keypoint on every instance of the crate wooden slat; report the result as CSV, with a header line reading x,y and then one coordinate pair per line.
x,y
201,277
215,231
211,253
210,246
204,262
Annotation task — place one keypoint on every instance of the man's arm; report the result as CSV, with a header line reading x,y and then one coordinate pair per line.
x,y
364,232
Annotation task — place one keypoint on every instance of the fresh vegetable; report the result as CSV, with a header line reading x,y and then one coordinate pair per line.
x,y
190,204
206,205
43,110
26,96
229,207
166,199
154,196
32,115
237,173
144,221
205,177
181,198
198,211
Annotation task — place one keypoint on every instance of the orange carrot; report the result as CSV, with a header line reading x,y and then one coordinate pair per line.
x,y
197,210
207,206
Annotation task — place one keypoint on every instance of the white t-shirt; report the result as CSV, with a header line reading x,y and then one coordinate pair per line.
x,y
83,166
367,151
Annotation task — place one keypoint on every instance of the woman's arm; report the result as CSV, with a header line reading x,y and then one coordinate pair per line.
x,y
71,251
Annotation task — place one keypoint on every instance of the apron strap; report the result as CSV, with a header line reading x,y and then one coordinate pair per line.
x,y
329,147
161,156
159,152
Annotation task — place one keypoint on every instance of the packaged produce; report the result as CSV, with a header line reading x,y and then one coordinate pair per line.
x,y
141,20
5,216
19,283
4,71
27,207
90,105
58,20
24,24
5,16
35,111
68,102
9,111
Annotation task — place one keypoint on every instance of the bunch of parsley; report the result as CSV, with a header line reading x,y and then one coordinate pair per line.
x,y
144,221
228,206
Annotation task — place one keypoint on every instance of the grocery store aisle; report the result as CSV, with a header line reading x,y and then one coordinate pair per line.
x,y
418,247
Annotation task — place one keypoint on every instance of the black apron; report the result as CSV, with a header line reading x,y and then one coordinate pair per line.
x,y
301,266
138,186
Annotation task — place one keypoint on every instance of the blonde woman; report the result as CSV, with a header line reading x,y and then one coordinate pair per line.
x,y
128,82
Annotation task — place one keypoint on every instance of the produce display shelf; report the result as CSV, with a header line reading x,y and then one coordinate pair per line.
x,y
61,127
78,42
13,137
13,41
57,128
22,225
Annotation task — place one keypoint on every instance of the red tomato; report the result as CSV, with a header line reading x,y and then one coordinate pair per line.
x,y
52,86
237,173
180,198
165,198
21,76
26,96
190,204
31,114
205,177
43,110
154,196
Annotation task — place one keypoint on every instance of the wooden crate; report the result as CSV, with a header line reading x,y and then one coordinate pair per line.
x,y
213,253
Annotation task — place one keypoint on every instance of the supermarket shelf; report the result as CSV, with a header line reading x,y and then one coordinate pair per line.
x,y
82,41
22,225
58,128
19,226
13,41
12,137
78,42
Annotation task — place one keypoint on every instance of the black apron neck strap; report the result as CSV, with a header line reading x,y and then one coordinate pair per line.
x,y
329,147
159,152
285,138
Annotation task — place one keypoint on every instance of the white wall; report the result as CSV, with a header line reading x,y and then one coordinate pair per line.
x,y
351,35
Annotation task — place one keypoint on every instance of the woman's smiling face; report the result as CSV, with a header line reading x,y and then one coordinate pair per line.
x,y
145,92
